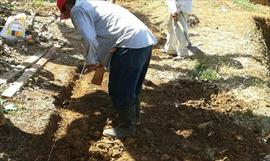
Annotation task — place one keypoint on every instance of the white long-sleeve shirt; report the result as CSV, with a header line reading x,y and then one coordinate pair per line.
x,y
175,6
104,25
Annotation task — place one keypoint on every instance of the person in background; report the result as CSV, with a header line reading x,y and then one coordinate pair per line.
x,y
108,28
177,34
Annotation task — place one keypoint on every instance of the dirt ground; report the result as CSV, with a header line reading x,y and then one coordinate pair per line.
x,y
61,115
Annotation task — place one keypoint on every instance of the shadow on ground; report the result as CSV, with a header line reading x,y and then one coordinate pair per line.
x,y
192,130
182,119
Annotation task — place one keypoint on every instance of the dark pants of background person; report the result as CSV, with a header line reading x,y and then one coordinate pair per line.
x,y
127,72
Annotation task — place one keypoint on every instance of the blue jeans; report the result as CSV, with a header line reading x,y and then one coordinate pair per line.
x,y
127,72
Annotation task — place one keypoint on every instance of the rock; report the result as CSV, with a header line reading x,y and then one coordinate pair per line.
x,y
143,158
130,141
206,124
135,146
84,125
97,133
97,113
193,20
61,157
145,148
165,157
148,132
76,132
267,158
116,154
106,157
25,49
175,159
10,107
224,9
157,151
78,143
176,104
14,3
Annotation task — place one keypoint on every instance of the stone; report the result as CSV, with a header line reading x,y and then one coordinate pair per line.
x,y
143,158
130,141
165,157
97,133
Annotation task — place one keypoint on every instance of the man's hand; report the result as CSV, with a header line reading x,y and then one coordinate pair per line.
x,y
112,50
90,68
99,72
174,16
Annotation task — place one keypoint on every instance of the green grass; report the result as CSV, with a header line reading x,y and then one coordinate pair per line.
x,y
205,73
40,1
245,4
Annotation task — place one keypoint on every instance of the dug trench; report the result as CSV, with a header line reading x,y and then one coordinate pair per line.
x,y
182,120
263,24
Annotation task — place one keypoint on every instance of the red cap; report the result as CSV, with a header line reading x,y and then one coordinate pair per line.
x,y
60,5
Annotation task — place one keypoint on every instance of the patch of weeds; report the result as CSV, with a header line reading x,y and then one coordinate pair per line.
x,y
42,3
9,107
11,113
15,110
202,72
246,5
38,3
6,5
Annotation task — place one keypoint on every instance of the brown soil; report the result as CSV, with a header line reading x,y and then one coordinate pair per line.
x,y
61,115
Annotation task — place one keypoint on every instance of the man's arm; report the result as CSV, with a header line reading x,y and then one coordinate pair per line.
x,y
85,25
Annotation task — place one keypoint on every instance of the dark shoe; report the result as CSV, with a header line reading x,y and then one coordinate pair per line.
x,y
127,127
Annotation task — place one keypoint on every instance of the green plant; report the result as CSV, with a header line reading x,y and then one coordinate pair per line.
x,y
44,0
205,73
245,4
42,3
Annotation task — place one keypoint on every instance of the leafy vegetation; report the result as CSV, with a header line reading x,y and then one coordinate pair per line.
x,y
44,0
205,73
245,4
